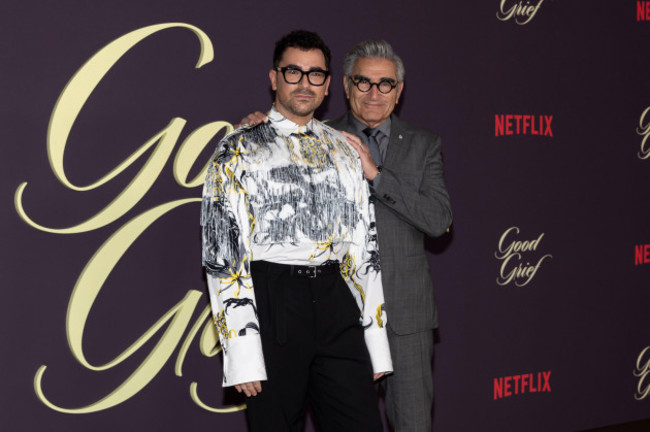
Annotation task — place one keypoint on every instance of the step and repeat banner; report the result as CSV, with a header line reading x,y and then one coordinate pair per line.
x,y
111,109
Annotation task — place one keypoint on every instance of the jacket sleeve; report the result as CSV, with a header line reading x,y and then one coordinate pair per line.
x,y
424,202
226,222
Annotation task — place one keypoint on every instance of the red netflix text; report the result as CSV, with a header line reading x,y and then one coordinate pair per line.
x,y
641,254
642,10
539,382
523,124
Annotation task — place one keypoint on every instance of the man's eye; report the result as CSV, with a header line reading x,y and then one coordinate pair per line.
x,y
317,74
293,72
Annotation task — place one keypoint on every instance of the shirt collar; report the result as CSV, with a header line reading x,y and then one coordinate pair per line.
x,y
287,127
359,127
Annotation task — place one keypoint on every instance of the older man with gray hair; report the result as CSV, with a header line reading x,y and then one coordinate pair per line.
x,y
403,165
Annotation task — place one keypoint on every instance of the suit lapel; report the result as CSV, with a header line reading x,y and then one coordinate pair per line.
x,y
397,142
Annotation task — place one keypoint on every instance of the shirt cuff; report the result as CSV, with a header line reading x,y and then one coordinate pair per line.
x,y
377,343
243,361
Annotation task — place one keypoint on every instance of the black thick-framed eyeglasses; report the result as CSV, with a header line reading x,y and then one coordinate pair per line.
x,y
364,85
293,75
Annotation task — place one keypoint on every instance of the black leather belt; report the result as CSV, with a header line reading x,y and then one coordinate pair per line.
x,y
311,272
277,305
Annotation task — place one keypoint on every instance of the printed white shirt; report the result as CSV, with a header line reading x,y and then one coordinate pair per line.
x,y
288,194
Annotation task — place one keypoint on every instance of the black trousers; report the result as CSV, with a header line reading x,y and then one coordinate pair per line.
x,y
313,349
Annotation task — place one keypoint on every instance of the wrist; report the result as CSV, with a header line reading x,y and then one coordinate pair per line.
x,y
378,170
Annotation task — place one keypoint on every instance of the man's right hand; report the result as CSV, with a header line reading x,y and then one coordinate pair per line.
x,y
249,388
252,119
368,165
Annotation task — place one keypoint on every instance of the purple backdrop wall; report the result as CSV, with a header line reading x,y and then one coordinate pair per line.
x,y
542,283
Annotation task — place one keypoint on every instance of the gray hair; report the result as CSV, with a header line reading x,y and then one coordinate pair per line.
x,y
373,48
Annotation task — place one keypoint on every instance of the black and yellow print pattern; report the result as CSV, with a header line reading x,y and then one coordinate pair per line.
x,y
348,271
222,328
291,194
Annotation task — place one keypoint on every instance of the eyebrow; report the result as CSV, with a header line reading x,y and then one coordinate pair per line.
x,y
361,77
316,68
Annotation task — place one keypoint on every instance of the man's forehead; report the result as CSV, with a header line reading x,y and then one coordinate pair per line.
x,y
375,68
304,58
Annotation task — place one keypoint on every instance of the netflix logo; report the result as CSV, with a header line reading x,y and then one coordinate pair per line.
x,y
642,10
523,124
539,382
641,254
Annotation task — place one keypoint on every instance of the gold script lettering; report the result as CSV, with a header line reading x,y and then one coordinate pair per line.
x,y
67,109
522,13
100,266
644,131
190,150
642,372
512,266
83,296
209,347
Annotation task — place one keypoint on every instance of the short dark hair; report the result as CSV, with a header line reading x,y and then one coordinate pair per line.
x,y
303,39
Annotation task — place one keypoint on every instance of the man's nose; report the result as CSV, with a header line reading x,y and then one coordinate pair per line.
x,y
374,92
304,82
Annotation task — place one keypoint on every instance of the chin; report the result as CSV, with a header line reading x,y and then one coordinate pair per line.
x,y
373,119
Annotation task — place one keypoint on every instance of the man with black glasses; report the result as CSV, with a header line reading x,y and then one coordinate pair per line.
x,y
403,166
290,250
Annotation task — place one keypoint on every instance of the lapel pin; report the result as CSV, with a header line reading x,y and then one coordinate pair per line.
x,y
400,136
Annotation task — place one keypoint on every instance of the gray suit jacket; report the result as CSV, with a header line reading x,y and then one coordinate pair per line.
x,y
411,202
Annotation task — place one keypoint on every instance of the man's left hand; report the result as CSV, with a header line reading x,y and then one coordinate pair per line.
x,y
250,388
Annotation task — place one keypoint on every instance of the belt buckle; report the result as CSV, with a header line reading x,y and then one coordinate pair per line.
x,y
312,269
